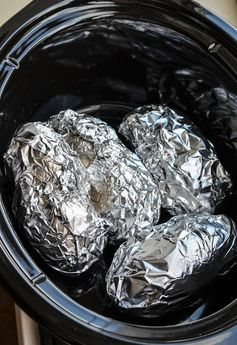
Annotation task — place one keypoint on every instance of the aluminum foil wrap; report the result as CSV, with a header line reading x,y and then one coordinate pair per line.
x,y
52,200
122,189
160,272
182,161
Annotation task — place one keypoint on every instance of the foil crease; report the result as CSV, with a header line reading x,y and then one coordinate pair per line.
x,y
159,273
122,189
181,160
52,200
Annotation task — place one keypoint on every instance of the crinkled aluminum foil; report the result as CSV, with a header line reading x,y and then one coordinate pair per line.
x,y
182,161
122,189
52,200
156,274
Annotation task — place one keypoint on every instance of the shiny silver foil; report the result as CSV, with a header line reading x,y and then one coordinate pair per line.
x,y
122,189
52,200
182,161
160,272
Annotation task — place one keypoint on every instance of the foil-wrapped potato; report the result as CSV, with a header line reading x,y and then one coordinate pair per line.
x,y
52,200
122,189
154,275
181,160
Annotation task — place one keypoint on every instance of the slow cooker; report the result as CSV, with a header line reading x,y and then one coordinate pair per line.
x,y
106,58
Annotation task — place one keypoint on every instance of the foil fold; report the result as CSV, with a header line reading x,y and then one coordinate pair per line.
x,y
183,163
122,189
52,200
161,272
